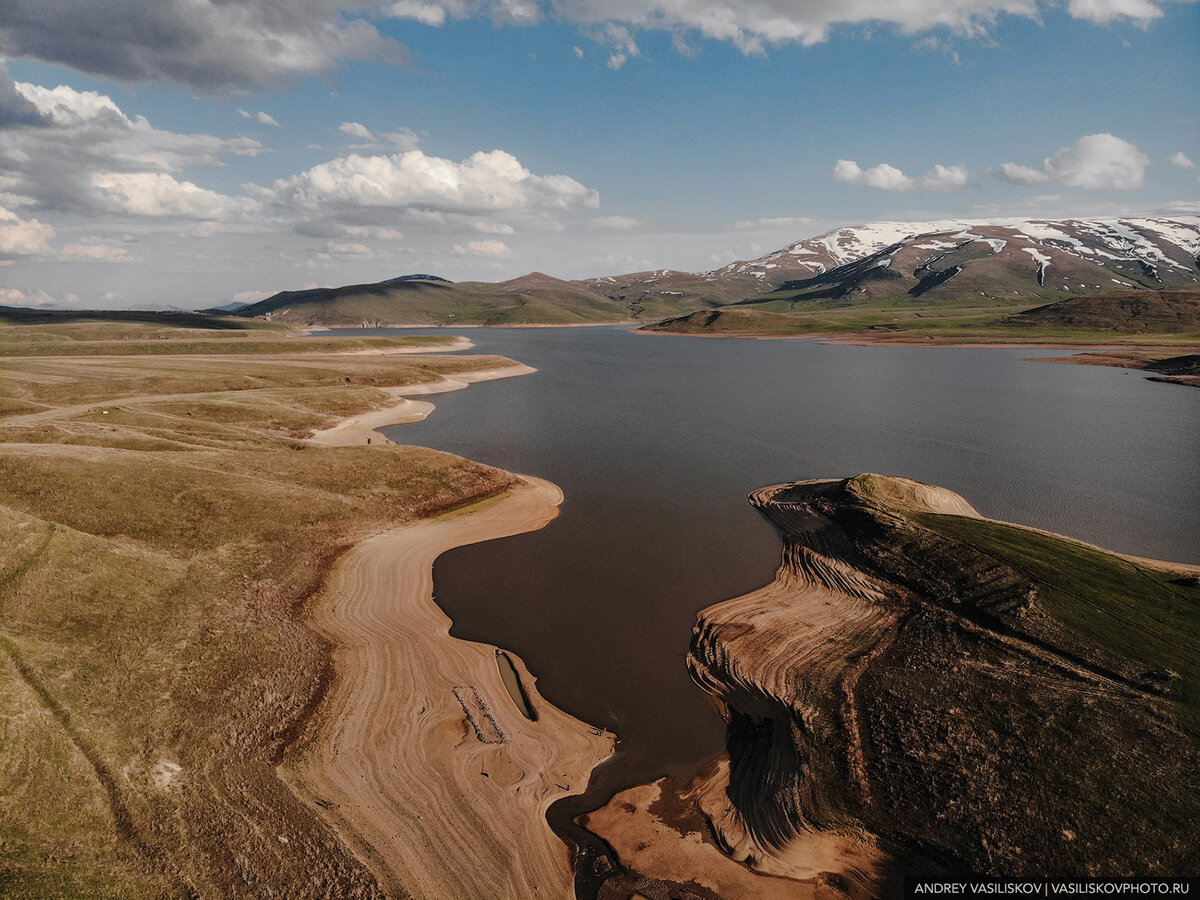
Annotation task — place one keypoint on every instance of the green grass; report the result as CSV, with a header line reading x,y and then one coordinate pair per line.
x,y
1134,610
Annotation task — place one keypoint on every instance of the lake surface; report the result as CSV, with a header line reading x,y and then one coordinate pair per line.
x,y
656,440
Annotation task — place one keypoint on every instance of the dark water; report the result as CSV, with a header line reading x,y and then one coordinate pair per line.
x,y
656,441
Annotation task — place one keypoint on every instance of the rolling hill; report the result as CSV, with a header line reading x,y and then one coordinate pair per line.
x,y
1129,312
428,300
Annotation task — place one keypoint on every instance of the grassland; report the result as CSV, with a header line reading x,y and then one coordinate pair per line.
x,y
1138,611
903,320
164,523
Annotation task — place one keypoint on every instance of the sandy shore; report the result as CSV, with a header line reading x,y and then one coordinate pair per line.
x,y
418,757
358,429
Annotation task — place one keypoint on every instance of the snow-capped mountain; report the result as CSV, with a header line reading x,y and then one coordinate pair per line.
x,y
1000,259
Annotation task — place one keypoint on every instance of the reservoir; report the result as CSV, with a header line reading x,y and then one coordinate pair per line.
x,y
656,440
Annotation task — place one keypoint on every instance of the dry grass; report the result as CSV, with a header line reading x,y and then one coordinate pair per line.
x,y
154,568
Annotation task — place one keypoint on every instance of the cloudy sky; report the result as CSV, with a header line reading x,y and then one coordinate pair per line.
x,y
189,152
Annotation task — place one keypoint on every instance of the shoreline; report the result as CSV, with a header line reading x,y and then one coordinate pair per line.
x,y
363,427
418,757
317,329
861,340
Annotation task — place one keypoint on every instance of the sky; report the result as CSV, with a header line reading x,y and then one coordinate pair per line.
x,y
188,153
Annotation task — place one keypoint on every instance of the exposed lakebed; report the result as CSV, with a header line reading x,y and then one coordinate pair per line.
x,y
656,442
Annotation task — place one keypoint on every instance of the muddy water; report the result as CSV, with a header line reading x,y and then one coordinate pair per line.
x,y
656,441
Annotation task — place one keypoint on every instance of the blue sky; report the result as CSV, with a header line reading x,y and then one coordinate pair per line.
x,y
237,149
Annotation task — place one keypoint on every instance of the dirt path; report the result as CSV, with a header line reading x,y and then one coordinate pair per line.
x,y
420,758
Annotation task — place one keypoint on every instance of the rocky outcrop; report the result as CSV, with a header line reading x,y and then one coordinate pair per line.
x,y
903,688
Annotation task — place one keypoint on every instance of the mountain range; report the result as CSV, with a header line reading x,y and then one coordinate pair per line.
x,y
1000,263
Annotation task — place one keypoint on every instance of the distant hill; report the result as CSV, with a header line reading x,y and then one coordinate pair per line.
x,y
728,320
416,278
1129,312
427,300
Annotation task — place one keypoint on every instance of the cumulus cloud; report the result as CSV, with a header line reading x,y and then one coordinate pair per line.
x,y
209,45
94,253
493,249
23,237
483,182
887,177
81,133
1180,159
1095,162
883,176
357,130
161,195
945,178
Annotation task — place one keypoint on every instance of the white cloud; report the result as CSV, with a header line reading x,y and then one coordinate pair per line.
x,y
412,180
1095,162
615,223
83,133
94,253
159,194
404,139
265,119
23,237
357,130
493,249
1180,159
887,177
755,25
348,250
883,176
18,297
775,222
1018,174
945,178
578,52
221,45
620,42
425,13
1101,11
243,113
494,228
